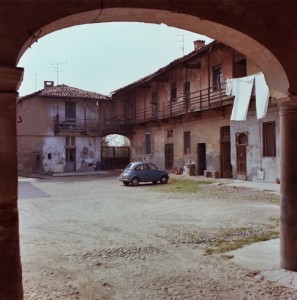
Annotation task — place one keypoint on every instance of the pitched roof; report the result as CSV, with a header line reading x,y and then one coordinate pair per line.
x,y
65,91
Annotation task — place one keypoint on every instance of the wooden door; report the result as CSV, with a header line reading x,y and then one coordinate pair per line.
x,y
169,156
241,145
201,158
225,148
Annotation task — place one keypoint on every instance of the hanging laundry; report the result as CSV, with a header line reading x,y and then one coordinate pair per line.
x,y
229,86
242,90
262,95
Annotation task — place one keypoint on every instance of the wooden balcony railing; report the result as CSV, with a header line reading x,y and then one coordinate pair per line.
x,y
202,100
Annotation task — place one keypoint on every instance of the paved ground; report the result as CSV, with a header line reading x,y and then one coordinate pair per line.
x,y
89,237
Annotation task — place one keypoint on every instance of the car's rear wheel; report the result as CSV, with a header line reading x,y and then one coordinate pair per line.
x,y
164,179
126,183
135,181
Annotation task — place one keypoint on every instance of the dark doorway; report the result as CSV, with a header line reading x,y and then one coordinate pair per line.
x,y
169,156
241,144
70,159
225,146
36,162
115,157
201,158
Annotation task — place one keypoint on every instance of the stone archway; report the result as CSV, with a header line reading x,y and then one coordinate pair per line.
x,y
251,27
274,72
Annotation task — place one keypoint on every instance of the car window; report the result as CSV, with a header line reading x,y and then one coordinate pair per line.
x,y
152,167
128,167
138,168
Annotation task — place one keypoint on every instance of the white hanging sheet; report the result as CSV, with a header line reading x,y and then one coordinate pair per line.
x,y
242,90
262,95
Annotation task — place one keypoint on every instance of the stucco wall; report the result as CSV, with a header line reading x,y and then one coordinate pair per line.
x,y
255,161
205,129
36,135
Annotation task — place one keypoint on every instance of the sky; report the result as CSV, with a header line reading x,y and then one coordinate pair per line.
x,y
103,57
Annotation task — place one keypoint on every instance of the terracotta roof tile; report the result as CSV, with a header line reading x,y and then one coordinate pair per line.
x,y
65,91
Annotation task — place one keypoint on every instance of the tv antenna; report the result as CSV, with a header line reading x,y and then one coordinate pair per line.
x,y
57,70
182,42
35,80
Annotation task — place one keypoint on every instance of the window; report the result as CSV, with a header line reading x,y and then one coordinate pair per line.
x,y
187,142
70,112
154,104
154,98
173,92
187,92
148,144
216,77
239,68
268,133
169,133
70,141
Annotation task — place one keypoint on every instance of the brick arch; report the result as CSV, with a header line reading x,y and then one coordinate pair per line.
x,y
275,73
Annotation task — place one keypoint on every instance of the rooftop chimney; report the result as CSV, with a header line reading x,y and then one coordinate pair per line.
x,y
48,84
199,44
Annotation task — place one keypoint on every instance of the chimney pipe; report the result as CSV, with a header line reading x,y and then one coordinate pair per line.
x,y
199,44
48,84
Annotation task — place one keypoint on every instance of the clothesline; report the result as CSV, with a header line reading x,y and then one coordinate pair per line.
x,y
241,89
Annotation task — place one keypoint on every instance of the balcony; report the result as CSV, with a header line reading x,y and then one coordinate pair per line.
x,y
81,126
213,98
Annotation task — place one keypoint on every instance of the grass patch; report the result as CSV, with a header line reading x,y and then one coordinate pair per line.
x,y
221,246
181,186
225,240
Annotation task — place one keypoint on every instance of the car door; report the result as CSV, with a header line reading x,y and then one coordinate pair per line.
x,y
153,172
146,173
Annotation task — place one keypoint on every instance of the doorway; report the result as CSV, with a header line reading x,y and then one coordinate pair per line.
x,y
70,160
201,158
241,145
70,154
225,148
36,162
169,154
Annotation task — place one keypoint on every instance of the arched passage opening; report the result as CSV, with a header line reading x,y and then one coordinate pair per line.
x,y
115,152
271,66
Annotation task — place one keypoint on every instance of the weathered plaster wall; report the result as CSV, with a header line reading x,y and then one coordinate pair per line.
x,y
83,160
205,129
255,161
36,134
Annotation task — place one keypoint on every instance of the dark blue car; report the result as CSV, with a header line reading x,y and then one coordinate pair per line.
x,y
137,172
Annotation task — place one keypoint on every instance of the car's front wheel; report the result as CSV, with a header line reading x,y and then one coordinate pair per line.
x,y
135,181
164,179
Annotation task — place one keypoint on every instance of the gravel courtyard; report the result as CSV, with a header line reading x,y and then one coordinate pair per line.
x,y
90,237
